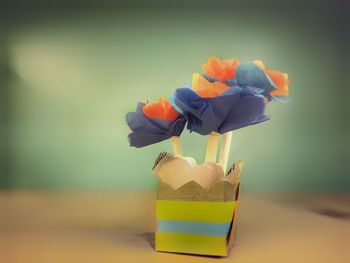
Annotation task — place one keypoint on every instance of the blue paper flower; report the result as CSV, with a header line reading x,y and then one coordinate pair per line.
x,y
205,115
231,110
146,131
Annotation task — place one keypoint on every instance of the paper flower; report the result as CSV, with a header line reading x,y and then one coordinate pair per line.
x,y
154,122
205,115
222,70
228,96
230,110
280,79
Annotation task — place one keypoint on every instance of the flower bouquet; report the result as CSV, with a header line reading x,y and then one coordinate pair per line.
x,y
196,209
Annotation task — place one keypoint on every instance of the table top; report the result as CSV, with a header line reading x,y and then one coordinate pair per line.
x,y
118,226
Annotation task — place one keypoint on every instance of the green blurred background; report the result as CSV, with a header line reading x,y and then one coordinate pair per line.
x,y
69,75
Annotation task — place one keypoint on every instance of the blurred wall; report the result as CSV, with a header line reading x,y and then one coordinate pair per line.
x,y
69,76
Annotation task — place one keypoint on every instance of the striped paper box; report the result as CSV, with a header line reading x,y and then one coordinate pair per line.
x,y
195,220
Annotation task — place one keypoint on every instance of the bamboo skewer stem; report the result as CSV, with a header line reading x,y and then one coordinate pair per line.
x,y
176,144
212,147
225,150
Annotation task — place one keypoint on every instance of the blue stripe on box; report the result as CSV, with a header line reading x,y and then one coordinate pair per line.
x,y
201,228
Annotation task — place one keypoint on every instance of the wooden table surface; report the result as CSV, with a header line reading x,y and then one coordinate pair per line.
x,y
117,226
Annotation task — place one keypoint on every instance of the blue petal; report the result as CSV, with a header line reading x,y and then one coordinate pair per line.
x,y
250,75
172,102
249,110
232,82
255,90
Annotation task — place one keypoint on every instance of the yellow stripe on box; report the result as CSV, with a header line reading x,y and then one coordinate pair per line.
x,y
191,243
218,212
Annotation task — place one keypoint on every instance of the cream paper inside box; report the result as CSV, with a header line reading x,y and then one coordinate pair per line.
x,y
196,206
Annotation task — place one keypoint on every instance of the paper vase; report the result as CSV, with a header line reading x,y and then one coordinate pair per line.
x,y
197,220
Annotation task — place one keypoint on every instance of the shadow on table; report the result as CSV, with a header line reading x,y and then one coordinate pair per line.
x,y
329,205
329,212
148,237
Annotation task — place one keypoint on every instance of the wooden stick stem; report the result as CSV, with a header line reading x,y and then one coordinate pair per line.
x,y
176,143
225,150
212,147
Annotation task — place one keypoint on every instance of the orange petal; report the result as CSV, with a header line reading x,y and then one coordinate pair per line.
x,y
211,67
160,110
229,71
221,69
207,89
281,81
